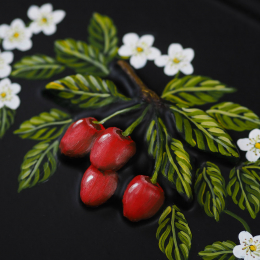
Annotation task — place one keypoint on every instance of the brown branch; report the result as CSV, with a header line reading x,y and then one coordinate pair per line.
x,y
145,93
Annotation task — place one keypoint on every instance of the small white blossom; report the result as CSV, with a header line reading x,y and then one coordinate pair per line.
x,y
140,49
178,59
249,248
44,18
251,145
6,58
8,93
16,36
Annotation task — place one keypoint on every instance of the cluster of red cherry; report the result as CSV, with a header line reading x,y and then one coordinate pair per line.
x,y
109,151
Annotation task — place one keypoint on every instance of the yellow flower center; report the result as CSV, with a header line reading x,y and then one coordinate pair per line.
x,y
175,60
16,35
3,94
44,20
257,145
139,49
252,248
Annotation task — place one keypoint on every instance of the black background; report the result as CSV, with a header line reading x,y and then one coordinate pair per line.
x,y
49,221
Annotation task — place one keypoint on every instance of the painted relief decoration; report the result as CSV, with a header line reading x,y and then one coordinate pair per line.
x,y
87,87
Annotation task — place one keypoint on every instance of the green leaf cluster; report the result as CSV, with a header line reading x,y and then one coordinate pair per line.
x,y
203,132
219,251
194,90
234,116
40,163
210,189
6,119
47,125
171,158
85,58
174,234
244,187
37,67
86,91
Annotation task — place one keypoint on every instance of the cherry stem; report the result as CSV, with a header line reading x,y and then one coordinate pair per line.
x,y
131,128
145,93
242,221
125,110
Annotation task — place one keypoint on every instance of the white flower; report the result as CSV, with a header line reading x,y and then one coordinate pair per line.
x,y
140,49
178,59
44,19
8,93
249,247
6,58
251,145
16,36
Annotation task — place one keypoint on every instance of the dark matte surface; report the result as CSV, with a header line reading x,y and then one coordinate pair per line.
x,y
49,221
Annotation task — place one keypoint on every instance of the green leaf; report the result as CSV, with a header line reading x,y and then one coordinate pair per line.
x,y
219,251
210,189
203,132
174,234
6,119
103,35
37,67
175,161
244,187
194,90
234,117
39,164
82,58
47,125
86,92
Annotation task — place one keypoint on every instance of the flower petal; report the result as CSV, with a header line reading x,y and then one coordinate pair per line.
x,y
25,45
170,70
256,238
138,61
249,257
244,144
148,39
1,104
14,103
5,71
35,28
28,32
161,61
7,45
33,12
4,82
173,48
125,51
49,30
130,38
186,68
16,88
239,252
254,133
3,29
153,53
58,16
189,54
17,22
251,156
46,8
7,56
244,235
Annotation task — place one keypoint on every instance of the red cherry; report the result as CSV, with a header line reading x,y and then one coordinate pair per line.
x,y
97,187
112,150
80,136
142,199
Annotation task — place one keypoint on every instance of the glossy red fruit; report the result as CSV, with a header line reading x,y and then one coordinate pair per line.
x,y
112,150
142,199
80,136
97,187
